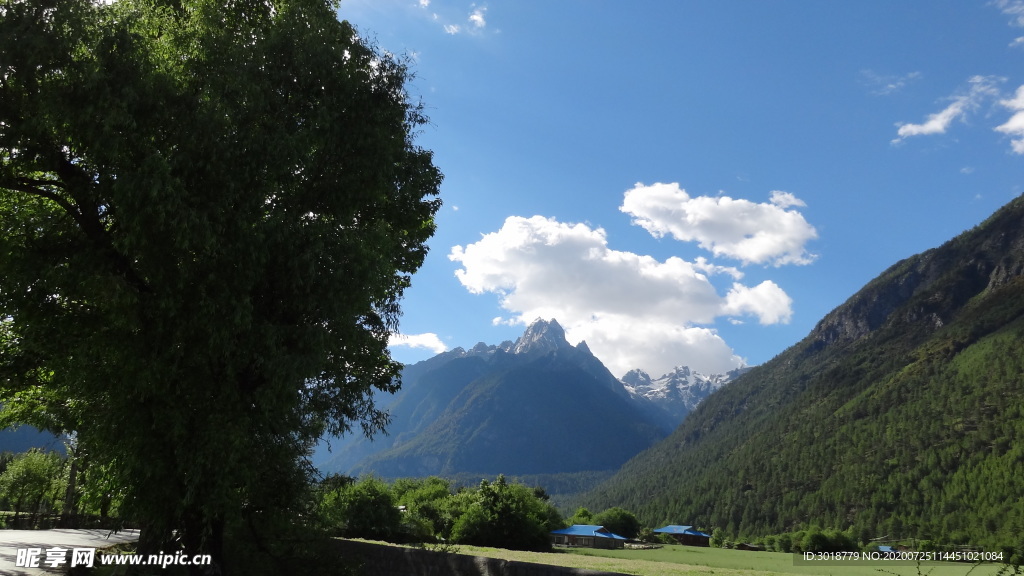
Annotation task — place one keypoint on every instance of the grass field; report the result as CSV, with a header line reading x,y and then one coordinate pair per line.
x,y
687,560
679,561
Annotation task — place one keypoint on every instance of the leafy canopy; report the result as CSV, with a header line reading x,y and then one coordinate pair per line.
x,y
208,214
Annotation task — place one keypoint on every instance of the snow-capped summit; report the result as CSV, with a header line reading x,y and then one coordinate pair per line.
x,y
677,392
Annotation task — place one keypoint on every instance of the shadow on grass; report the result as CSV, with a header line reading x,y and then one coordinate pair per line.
x,y
311,554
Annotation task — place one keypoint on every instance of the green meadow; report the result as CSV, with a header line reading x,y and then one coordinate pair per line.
x,y
687,560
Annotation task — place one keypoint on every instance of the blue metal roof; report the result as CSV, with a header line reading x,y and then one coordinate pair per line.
x,y
677,529
589,530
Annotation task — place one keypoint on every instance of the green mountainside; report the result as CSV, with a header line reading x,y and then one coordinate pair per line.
x,y
901,414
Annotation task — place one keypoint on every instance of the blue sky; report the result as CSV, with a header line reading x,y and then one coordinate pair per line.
x,y
694,183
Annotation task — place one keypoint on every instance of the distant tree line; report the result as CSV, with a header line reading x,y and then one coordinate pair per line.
x,y
496,513
41,489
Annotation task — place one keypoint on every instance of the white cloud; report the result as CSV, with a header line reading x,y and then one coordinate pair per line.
x,y
883,85
936,124
767,301
736,228
624,343
1014,127
633,310
455,21
1018,41
980,89
785,199
427,341
1012,8
476,18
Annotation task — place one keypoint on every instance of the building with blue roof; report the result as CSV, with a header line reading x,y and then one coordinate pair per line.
x,y
686,535
587,535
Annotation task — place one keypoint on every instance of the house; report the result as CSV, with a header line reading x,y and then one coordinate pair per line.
x,y
588,536
686,535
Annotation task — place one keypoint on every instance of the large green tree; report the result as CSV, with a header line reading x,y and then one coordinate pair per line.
x,y
507,515
208,213
620,521
33,482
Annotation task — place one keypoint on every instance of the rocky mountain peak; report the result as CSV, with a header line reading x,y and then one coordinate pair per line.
x,y
636,377
541,337
681,373
481,348
582,347
676,393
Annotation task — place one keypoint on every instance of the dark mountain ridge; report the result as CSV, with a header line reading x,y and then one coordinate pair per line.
x,y
535,407
529,407
900,414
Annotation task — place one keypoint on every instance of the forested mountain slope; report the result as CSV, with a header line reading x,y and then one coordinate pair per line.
x,y
901,414
537,407
540,407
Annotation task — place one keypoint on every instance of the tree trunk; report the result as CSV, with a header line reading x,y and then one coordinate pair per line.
x,y
198,541
69,494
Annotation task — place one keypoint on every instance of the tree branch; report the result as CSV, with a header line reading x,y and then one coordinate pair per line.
x,y
89,224
31,186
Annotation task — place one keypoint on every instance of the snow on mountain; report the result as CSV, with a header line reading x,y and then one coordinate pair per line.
x,y
677,392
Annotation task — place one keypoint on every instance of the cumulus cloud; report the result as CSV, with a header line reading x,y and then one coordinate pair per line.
x,y
1014,127
980,89
625,343
767,301
476,18
427,341
633,310
452,28
765,233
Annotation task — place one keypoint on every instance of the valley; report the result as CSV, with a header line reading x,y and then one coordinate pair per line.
x,y
901,415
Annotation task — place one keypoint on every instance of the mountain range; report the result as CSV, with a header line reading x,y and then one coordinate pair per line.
x,y
900,415
536,406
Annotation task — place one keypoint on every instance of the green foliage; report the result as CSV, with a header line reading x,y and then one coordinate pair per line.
x,y
717,538
427,516
507,516
581,516
100,493
815,540
365,509
208,215
619,521
901,415
33,482
501,514
784,543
